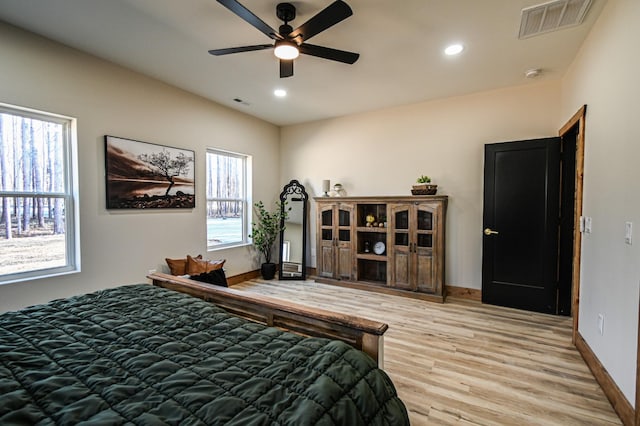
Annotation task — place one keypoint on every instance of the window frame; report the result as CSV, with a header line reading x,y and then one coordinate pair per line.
x,y
70,195
246,201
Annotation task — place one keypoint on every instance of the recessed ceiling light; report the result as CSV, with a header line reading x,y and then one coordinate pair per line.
x,y
454,49
281,93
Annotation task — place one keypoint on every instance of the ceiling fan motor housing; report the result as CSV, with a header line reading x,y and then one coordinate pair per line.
x,y
286,12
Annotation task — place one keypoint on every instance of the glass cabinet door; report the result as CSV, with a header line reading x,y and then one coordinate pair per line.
x,y
425,220
401,219
327,218
400,252
424,267
344,217
424,227
401,227
344,255
344,221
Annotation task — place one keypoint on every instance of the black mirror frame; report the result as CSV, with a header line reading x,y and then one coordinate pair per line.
x,y
294,188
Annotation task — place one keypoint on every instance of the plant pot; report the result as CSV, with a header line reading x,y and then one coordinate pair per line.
x,y
268,270
424,189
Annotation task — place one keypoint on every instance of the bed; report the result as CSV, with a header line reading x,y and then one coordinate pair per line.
x,y
145,354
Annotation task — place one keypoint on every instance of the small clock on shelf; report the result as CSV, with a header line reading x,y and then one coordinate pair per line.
x,y
379,247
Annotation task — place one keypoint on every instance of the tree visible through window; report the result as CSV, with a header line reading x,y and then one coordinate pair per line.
x,y
227,176
37,217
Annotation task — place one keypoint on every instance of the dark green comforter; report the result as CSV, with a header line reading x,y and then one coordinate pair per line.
x,y
145,355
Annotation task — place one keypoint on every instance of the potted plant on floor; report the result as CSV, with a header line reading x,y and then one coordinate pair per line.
x,y
264,232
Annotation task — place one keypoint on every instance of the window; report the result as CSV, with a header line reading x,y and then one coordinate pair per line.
x,y
38,195
227,200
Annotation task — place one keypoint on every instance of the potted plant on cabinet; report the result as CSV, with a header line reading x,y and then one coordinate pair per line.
x,y
424,186
264,232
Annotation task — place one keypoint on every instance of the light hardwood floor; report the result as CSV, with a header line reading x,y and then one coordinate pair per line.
x,y
464,363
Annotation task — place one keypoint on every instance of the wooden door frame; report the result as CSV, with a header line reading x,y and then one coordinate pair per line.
x,y
579,120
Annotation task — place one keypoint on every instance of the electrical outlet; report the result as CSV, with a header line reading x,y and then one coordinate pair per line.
x,y
601,324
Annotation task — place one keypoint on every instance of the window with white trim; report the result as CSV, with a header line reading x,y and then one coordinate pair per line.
x,y
228,177
38,195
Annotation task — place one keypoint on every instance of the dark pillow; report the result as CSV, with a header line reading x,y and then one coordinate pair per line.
x,y
216,277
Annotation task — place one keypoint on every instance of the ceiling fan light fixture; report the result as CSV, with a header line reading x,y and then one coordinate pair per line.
x,y
286,50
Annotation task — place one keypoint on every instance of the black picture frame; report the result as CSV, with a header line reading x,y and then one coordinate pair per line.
x,y
143,175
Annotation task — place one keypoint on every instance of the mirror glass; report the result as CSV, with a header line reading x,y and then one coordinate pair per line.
x,y
293,238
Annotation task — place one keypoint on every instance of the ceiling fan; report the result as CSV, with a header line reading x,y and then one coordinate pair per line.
x,y
289,43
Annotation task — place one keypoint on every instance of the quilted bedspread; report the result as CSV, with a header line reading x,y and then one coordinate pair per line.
x,y
146,355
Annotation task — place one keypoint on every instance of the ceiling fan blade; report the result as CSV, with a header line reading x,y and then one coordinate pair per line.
x,y
219,52
329,16
286,68
252,19
329,53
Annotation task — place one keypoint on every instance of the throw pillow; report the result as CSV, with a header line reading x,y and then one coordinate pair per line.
x,y
199,266
179,266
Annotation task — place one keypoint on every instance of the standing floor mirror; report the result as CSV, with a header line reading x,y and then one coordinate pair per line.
x,y
293,238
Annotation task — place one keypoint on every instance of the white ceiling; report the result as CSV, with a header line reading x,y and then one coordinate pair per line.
x,y
400,44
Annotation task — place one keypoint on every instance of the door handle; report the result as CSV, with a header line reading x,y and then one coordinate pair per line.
x,y
489,231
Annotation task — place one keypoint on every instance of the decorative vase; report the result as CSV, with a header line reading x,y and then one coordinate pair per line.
x,y
268,270
338,190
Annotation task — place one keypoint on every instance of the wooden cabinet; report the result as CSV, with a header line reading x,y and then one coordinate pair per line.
x,y
387,244
335,241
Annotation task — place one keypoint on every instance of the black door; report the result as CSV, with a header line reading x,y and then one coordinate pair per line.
x,y
520,224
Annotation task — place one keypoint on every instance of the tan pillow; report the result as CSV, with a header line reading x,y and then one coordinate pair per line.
x,y
179,266
198,266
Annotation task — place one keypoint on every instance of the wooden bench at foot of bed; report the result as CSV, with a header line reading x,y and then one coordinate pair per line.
x,y
361,333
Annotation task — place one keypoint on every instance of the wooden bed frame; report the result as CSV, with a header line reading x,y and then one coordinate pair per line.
x,y
361,333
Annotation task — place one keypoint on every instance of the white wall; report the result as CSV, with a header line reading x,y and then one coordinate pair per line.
x,y
119,247
383,152
604,76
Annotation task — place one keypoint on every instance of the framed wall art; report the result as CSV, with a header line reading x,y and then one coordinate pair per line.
x,y
142,175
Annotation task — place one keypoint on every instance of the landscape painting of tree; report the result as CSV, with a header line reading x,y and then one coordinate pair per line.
x,y
143,175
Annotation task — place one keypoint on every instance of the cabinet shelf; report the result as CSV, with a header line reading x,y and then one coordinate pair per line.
x,y
371,256
371,229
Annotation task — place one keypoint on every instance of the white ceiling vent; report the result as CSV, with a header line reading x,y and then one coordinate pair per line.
x,y
552,16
